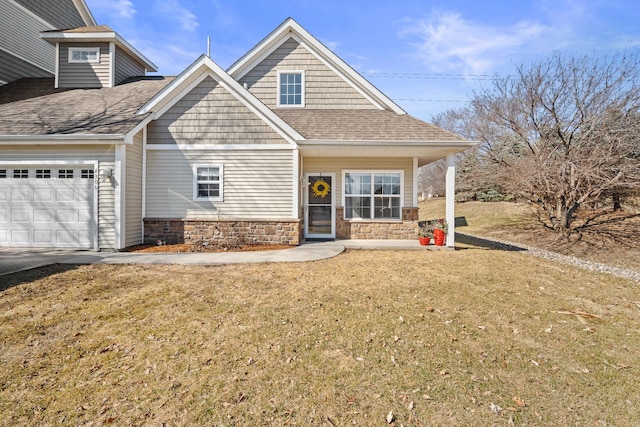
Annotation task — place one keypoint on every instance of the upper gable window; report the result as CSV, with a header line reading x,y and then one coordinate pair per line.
x,y
291,89
84,54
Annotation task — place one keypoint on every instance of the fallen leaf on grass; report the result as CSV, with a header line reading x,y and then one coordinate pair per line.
x,y
518,401
411,406
581,316
390,417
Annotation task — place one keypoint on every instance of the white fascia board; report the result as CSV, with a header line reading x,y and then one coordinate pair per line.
x,y
269,39
62,139
290,28
100,37
214,71
432,144
85,13
128,137
219,147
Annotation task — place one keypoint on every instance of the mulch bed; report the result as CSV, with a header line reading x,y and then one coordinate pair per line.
x,y
200,248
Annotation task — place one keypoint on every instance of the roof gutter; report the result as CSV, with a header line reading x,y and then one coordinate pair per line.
x,y
390,143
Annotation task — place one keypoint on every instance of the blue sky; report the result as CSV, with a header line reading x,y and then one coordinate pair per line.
x,y
428,56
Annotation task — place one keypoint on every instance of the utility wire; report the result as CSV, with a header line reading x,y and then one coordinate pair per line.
x,y
433,76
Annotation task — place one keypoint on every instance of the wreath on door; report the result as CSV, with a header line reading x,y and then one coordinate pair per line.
x,y
320,188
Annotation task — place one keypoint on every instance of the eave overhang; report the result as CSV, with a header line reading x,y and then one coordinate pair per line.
x,y
63,139
425,151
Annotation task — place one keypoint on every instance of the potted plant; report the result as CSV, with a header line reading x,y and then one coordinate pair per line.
x,y
425,234
440,229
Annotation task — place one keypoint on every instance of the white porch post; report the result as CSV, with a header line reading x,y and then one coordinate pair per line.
x,y
450,198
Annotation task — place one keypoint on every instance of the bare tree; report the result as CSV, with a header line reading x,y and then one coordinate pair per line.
x,y
562,133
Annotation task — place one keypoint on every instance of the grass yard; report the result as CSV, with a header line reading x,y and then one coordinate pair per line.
x,y
439,338
616,242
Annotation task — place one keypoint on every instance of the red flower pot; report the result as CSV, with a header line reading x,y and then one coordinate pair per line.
x,y
438,237
424,241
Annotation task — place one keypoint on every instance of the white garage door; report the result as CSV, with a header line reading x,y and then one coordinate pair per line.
x,y
47,206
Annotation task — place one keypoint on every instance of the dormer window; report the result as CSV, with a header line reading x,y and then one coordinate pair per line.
x,y
84,54
291,89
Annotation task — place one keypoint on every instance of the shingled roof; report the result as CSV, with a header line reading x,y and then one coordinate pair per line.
x,y
34,107
363,125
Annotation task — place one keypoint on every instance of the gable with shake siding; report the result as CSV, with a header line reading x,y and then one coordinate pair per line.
x,y
209,114
323,87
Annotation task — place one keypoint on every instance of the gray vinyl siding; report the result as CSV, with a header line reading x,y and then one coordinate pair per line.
x,y
62,14
133,192
323,87
257,184
209,114
106,192
126,67
13,68
84,75
20,36
337,165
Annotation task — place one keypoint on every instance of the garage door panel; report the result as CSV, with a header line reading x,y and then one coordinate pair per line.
x,y
41,211
42,216
42,194
66,216
20,216
20,237
43,237
84,216
65,195
20,194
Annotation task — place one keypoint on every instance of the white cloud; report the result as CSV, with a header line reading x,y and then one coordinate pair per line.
x,y
173,10
115,8
446,42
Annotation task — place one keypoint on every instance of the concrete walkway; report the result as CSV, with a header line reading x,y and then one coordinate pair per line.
x,y
13,260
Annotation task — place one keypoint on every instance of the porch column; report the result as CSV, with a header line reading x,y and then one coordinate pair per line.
x,y
450,198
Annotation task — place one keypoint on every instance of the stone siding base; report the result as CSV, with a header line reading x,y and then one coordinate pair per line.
x,y
407,229
260,232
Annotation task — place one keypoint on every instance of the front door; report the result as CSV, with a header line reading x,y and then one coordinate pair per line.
x,y
319,209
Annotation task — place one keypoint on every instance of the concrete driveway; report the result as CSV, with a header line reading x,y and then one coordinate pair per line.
x,y
13,260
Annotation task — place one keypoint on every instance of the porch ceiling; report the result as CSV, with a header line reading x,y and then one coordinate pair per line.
x,y
426,152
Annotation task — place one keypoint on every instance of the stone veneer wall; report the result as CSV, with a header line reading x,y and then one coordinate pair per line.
x,y
407,229
191,231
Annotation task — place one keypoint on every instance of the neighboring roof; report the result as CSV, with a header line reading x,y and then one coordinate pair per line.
x,y
290,28
33,106
98,33
363,125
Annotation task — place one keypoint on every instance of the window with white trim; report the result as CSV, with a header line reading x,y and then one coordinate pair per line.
x,y
3,173
84,54
65,173
207,182
87,174
43,173
373,195
21,173
291,89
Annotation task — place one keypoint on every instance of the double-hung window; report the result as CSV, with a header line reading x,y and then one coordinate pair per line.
x,y
373,195
207,182
290,89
